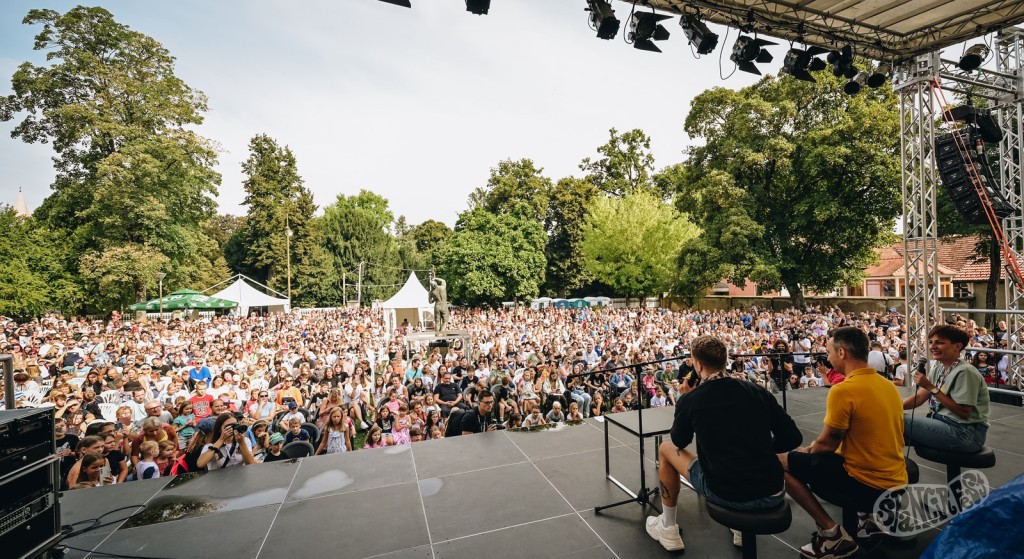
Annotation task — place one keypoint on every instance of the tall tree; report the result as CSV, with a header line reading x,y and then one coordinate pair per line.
x,y
429,235
32,279
631,243
358,229
130,169
816,170
625,163
516,188
493,258
277,203
566,271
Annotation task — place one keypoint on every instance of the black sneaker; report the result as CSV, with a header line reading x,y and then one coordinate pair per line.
x,y
834,547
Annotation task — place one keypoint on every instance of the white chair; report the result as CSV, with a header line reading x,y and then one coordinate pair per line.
x,y
260,383
32,397
111,397
109,411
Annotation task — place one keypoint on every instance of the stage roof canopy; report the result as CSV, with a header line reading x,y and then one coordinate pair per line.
x,y
878,29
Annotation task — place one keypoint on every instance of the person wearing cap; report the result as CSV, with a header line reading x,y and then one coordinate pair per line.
x,y
276,442
293,413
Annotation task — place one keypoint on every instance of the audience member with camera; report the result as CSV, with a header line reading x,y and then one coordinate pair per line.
x,y
229,446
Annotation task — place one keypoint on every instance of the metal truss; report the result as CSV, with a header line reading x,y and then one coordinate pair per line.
x,y
1003,87
1009,53
918,115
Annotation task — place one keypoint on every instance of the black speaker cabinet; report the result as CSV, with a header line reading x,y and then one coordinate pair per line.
x,y
29,483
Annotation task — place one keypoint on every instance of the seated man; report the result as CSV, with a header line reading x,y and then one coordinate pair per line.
x,y
859,453
739,429
956,394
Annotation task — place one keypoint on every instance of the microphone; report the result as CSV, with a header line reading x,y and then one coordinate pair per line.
x,y
922,365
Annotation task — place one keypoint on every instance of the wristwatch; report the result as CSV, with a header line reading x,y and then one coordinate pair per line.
x,y
934,390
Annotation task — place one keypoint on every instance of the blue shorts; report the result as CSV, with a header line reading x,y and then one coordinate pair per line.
x,y
700,485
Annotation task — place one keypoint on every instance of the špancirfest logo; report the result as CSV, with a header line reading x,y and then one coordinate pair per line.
x,y
912,509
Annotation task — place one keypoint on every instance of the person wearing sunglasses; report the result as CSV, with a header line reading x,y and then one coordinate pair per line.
x,y
262,408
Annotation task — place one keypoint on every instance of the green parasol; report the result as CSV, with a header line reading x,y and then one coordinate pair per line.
x,y
185,299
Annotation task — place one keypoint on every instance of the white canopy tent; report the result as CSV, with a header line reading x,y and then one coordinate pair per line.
x,y
247,296
412,303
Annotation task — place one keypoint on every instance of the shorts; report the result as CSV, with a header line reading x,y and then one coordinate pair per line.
x,y
826,475
701,487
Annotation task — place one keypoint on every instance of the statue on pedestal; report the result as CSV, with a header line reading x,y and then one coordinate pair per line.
x,y
438,295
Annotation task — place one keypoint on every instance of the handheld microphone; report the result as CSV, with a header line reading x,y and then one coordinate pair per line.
x,y
922,365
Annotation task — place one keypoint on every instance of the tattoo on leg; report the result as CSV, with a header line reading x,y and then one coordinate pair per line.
x,y
664,490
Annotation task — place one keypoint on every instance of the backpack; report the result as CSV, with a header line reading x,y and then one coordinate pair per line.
x,y
179,466
453,427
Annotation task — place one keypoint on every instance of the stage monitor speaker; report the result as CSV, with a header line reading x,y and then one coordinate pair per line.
x,y
29,483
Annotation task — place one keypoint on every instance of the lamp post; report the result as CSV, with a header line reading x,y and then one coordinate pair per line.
x,y
288,257
160,281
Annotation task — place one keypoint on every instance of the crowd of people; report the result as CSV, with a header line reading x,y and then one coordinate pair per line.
x,y
244,387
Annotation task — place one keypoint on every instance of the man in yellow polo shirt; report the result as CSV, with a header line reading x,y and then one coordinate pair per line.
x,y
859,453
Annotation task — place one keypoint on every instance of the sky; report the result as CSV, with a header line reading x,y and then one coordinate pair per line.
x,y
416,104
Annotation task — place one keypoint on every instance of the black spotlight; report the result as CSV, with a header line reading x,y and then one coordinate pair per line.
x,y
799,63
842,62
855,84
973,57
698,34
644,29
602,18
748,50
403,3
881,73
478,7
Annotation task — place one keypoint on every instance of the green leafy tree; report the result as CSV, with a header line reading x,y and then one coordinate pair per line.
x,y
632,243
121,275
429,235
24,288
566,270
358,229
815,171
493,258
514,187
625,163
277,202
130,169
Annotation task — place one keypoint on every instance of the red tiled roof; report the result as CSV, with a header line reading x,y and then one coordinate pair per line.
x,y
976,271
956,257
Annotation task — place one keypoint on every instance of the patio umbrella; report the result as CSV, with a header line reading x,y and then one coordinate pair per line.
x,y
185,299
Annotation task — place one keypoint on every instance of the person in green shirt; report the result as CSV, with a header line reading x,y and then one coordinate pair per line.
x,y
958,401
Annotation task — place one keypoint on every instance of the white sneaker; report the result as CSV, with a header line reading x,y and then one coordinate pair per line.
x,y
737,538
363,425
669,538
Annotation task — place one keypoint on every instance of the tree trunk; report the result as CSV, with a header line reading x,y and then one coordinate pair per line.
x,y
994,265
796,296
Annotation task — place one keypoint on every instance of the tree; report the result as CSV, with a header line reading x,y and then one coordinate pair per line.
x,y
357,229
130,169
625,164
566,271
813,170
24,288
514,187
429,235
493,258
631,243
277,202
120,275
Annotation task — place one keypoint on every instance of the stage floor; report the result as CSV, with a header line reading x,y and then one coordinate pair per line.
x,y
501,494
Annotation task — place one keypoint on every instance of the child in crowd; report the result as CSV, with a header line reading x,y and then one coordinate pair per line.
x,y
400,432
275,443
166,456
296,432
374,438
147,468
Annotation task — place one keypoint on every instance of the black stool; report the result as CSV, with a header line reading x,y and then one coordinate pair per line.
x,y
750,523
984,458
851,508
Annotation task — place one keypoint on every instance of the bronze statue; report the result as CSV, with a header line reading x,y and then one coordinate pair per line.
x,y
439,297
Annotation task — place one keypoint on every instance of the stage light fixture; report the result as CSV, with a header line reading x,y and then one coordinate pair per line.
x,y
973,57
855,84
402,3
878,77
799,63
842,62
698,34
746,51
644,29
478,7
602,19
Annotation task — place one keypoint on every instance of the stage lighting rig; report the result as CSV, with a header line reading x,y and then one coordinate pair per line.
x,y
855,84
478,7
602,19
748,50
644,29
698,34
973,57
800,63
842,62
878,77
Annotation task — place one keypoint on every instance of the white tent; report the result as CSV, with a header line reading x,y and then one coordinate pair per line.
x,y
248,296
412,303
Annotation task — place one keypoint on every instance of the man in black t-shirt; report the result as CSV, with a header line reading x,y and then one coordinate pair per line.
x,y
447,394
739,428
476,420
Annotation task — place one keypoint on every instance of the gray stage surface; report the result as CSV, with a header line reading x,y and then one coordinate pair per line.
x,y
501,494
